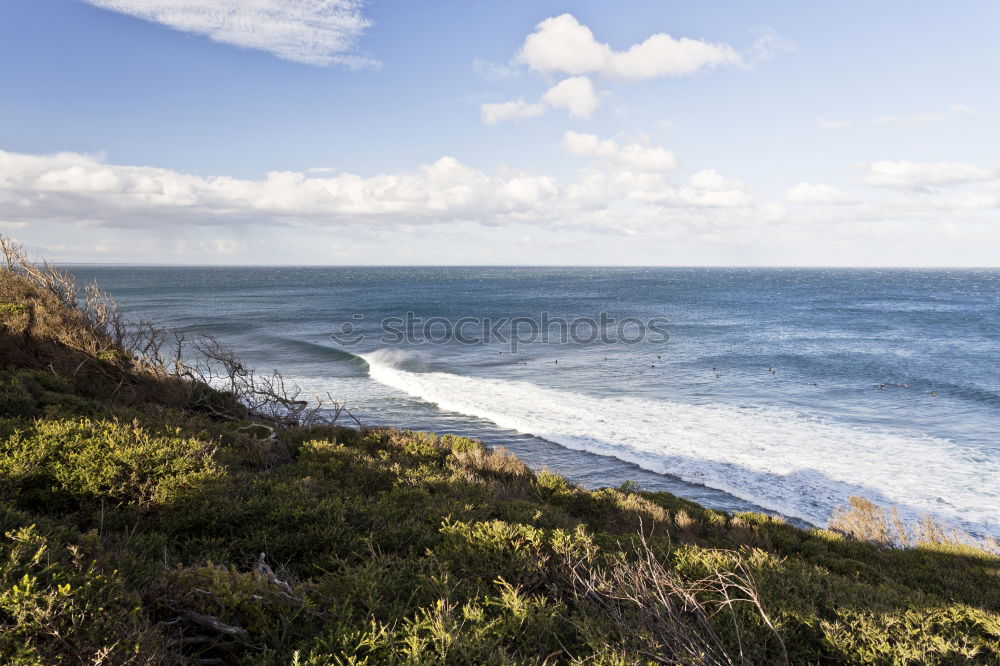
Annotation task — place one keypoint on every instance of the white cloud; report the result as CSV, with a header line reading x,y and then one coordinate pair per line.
x,y
523,189
561,44
493,113
917,175
315,32
58,187
819,193
710,188
630,156
161,214
712,180
576,94
833,125
704,190
624,186
963,110
662,55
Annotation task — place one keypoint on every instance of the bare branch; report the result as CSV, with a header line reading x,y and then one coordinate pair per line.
x,y
665,616
204,372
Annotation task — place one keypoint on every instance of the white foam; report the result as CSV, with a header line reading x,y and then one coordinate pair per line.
x,y
785,461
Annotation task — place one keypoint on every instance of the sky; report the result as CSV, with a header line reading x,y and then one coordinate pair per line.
x,y
525,132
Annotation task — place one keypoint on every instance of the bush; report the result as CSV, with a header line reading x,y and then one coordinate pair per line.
x,y
58,603
57,464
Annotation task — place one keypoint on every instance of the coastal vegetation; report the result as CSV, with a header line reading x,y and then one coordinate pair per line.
x,y
162,503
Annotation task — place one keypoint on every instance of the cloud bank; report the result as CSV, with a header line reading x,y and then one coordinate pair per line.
x,y
622,187
314,32
619,181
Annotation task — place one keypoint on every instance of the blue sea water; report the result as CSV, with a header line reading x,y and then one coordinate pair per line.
x,y
779,389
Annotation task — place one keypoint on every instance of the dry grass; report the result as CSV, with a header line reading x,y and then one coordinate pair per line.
x,y
48,323
81,335
864,520
93,324
499,463
667,618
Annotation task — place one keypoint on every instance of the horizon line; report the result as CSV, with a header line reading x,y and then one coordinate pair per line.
x,y
764,266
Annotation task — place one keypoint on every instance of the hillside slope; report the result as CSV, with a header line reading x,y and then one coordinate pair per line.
x,y
143,525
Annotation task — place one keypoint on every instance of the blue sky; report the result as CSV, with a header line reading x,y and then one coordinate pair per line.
x,y
764,133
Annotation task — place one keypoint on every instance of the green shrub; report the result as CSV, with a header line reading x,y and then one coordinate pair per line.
x,y
30,393
58,463
12,308
58,603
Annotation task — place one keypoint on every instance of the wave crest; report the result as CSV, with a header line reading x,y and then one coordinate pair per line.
x,y
779,459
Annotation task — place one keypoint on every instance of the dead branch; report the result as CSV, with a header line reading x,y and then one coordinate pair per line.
x,y
664,616
206,374
264,397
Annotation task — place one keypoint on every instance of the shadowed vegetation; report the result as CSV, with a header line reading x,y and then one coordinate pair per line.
x,y
144,524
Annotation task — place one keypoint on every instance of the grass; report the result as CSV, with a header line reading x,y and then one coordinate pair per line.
x,y
146,531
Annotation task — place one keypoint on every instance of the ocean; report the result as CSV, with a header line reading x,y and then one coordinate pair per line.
x,y
784,390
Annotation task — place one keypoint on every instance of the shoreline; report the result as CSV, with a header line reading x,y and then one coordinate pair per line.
x,y
787,481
